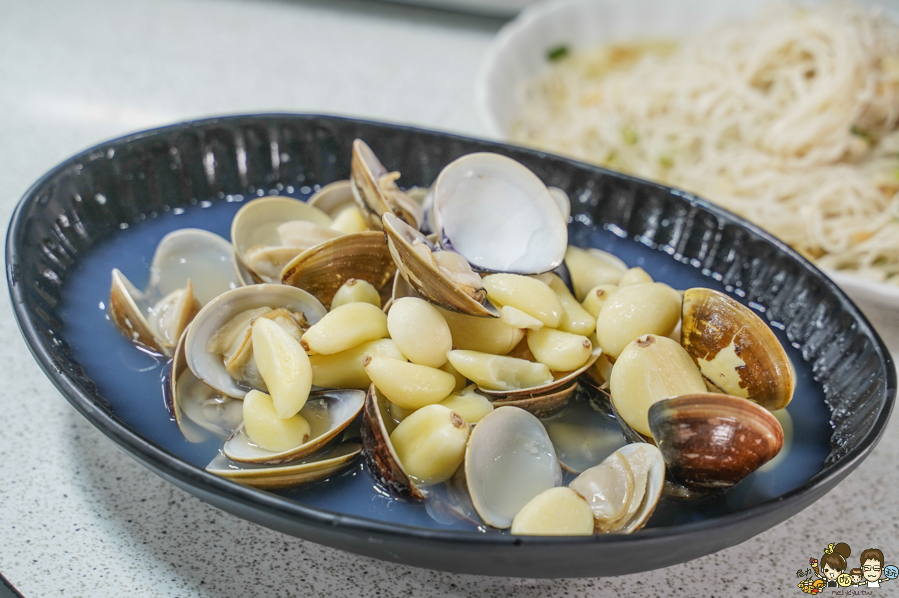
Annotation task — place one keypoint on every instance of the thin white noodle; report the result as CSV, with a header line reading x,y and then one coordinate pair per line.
x,y
790,121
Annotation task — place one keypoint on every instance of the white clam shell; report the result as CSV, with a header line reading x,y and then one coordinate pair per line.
x,y
189,254
209,367
509,460
499,215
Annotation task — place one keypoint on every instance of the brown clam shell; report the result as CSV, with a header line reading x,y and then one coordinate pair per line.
x,y
380,458
735,350
321,270
712,441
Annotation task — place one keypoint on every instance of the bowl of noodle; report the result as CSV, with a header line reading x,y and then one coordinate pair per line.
x,y
786,114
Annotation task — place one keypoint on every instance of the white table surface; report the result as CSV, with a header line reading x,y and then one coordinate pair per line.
x,y
78,517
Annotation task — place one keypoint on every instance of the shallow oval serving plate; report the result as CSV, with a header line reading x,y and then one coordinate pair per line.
x,y
519,53
108,206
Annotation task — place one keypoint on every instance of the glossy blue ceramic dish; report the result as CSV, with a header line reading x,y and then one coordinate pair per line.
x,y
108,206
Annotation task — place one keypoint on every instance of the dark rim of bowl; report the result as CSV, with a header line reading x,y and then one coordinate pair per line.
x,y
199,479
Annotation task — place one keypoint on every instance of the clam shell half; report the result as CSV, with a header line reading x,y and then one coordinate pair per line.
x,y
328,412
735,350
312,469
509,460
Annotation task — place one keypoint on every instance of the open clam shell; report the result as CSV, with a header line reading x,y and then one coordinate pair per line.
x,y
256,225
427,280
735,350
499,215
321,270
189,268
333,197
197,406
509,460
380,457
712,441
328,412
624,489
210,367
376,192
313,468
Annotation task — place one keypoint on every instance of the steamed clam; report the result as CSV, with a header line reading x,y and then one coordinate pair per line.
x,y
478,347
712,441
269,232
236,310
376,191
735,350
327,412
190,267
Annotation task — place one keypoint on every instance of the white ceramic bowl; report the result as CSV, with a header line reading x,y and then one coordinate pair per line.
x,y
519,53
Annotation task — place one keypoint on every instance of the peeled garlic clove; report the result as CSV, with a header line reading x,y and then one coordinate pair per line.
x,y
430,443
488,335
356,290
407,384
267,429
633,276
346,327
635,310
461,381
419,331
559,351
558,511
607,488
530,295
496,372
650,369
349,220
575,318
345,370
591,268
518,319
596,298
284,366
470,405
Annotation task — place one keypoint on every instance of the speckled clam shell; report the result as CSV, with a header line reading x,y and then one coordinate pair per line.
x,y
380,458
321,270
735,350
712,441
328,412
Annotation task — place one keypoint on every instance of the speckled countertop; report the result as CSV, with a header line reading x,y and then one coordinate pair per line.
x,y
78,517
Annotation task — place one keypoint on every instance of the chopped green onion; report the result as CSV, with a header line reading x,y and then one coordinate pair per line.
x,y
557,53
859,132
629,134
666,161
